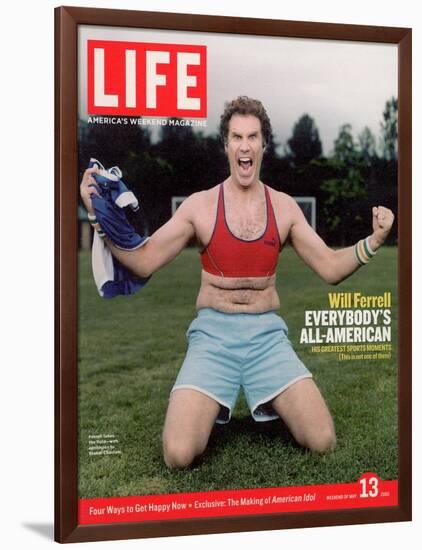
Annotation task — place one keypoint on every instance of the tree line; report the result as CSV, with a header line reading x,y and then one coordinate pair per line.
x,y
356,175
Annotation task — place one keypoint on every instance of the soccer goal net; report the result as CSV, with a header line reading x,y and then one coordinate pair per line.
x,y
308,207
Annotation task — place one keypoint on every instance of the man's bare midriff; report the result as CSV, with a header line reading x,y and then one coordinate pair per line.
x,y
238,295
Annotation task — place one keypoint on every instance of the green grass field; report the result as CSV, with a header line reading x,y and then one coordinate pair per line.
x,y
130,350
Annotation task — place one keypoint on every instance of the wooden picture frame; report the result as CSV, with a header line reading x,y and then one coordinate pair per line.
x,y
68,20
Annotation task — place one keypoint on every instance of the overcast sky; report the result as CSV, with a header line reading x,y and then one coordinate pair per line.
x,y
335,82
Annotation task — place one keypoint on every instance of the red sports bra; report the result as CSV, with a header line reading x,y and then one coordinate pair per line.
x,y
230,256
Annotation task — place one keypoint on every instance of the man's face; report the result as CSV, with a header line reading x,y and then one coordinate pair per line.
x,y
244,148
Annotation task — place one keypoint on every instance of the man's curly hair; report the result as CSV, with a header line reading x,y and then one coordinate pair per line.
x,y
244,105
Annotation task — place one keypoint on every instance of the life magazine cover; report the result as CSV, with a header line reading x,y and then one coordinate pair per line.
x,y
238,301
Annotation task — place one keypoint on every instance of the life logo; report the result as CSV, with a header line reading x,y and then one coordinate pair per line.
x,y
147,79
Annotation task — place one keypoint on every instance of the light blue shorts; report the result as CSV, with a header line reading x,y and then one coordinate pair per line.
x,y
232,350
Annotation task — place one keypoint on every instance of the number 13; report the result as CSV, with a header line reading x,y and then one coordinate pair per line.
x,y
372,484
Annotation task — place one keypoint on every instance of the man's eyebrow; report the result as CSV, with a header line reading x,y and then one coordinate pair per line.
x,y
237,134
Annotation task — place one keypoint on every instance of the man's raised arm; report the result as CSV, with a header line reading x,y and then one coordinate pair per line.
x,y
162,247
336,265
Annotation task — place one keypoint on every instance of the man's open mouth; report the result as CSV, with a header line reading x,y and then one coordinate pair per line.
x,y
245,164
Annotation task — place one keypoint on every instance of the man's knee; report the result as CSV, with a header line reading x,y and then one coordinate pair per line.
x,y
190,418
320,441
179,454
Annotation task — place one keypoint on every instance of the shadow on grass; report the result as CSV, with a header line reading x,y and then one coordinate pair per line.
x,y
246,431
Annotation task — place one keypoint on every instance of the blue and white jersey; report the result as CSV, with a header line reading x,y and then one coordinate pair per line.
x,y
111,277
114,197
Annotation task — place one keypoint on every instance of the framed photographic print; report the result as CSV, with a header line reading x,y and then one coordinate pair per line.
x,y
233,274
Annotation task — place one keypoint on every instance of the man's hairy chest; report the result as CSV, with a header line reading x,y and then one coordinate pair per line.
x,y
246,223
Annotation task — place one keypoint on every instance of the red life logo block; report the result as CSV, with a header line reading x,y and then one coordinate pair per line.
x,y
147,79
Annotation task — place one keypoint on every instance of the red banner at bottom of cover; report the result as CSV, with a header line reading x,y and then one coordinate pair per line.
x,y
368,492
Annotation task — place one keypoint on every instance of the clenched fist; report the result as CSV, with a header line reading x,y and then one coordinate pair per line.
x,y
382,221
87,188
